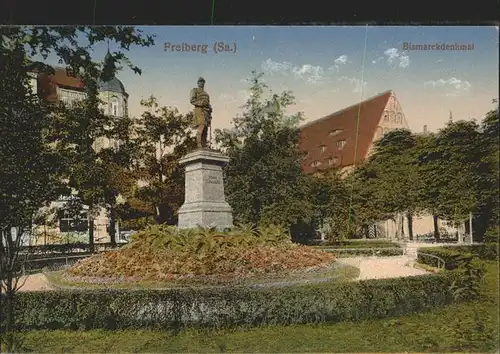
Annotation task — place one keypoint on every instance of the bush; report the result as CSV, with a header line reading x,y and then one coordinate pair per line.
x,y
378,252
492,235
359,244
453,258
166,253
484,251
232,306
466,265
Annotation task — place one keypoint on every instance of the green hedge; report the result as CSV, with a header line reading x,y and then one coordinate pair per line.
x,y
380,252
360,243
484,251
453,258
457,256
236,306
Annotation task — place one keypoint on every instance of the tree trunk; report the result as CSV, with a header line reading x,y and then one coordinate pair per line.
x,y
91,232
436,227
410,226
402,226
112,229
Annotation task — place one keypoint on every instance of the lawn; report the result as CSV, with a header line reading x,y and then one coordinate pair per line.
x,y
460,327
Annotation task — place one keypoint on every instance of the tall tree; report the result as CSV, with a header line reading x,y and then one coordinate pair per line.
x,y
29,169
164,136
364,206
397,185
450,161
330,199
264,181
121,159
489,205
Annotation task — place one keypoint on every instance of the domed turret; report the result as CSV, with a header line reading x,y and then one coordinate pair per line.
x,y
113,85
112,92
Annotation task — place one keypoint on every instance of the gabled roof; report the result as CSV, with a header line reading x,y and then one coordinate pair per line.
x,y
48,83
342,125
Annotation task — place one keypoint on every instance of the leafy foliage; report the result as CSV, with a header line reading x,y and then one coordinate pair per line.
x,y
264,182
470,269
163,136
163,252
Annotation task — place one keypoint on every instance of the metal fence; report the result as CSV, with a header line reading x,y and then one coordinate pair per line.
x,y
52,263
440,261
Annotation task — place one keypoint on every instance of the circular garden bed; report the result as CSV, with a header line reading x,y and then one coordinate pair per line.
x,y
164,256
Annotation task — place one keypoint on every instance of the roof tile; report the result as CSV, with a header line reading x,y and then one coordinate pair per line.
x,y
342,125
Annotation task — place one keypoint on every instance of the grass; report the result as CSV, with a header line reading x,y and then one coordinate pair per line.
x,y
471,327
339,272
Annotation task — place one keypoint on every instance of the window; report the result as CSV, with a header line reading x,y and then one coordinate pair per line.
x,y
114,106
322,148
340,143
315,164
335,132
333,161
386,116
71,223
399,118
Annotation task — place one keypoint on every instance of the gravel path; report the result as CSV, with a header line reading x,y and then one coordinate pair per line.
x,y
34,282
370,268
383,267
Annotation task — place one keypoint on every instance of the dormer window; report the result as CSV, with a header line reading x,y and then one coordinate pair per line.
x,y
335,132
315,164
340,144
322,148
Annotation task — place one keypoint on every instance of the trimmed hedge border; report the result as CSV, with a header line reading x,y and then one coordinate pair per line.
x,y
455,256
363,243
236,306
356,252
484,251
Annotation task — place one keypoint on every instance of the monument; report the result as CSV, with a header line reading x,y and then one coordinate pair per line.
x,y
204,203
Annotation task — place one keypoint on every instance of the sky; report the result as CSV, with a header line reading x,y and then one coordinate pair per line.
x,y
324,67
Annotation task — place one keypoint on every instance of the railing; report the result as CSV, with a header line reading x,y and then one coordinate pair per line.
x,y
67,248
440,261
64,261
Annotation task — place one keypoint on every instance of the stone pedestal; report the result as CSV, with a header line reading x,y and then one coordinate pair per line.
x,y
204,203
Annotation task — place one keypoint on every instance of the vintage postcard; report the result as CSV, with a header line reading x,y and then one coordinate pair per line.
x,y
249,189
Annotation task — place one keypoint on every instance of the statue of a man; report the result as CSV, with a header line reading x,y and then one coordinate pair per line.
x,y
202,112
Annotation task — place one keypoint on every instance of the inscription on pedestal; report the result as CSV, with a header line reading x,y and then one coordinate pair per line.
x,y
204,202
213,180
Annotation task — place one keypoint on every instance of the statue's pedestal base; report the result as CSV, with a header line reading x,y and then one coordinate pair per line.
x,y
205,204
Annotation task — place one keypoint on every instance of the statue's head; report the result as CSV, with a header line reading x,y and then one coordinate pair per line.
x,y
201,82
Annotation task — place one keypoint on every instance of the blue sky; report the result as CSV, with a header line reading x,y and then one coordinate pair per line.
x,y
324,67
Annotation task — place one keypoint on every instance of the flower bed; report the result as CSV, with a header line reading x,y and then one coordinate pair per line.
x,y
167,254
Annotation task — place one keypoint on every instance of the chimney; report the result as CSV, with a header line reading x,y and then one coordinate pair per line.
x,y
425,129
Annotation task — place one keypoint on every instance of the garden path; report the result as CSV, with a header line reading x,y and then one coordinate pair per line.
x,y
384,267
370,268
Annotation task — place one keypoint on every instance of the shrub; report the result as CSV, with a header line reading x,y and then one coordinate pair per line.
x,y
492,235
484,251
233,306
467,266
380,252
166,253
359,244
453,258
